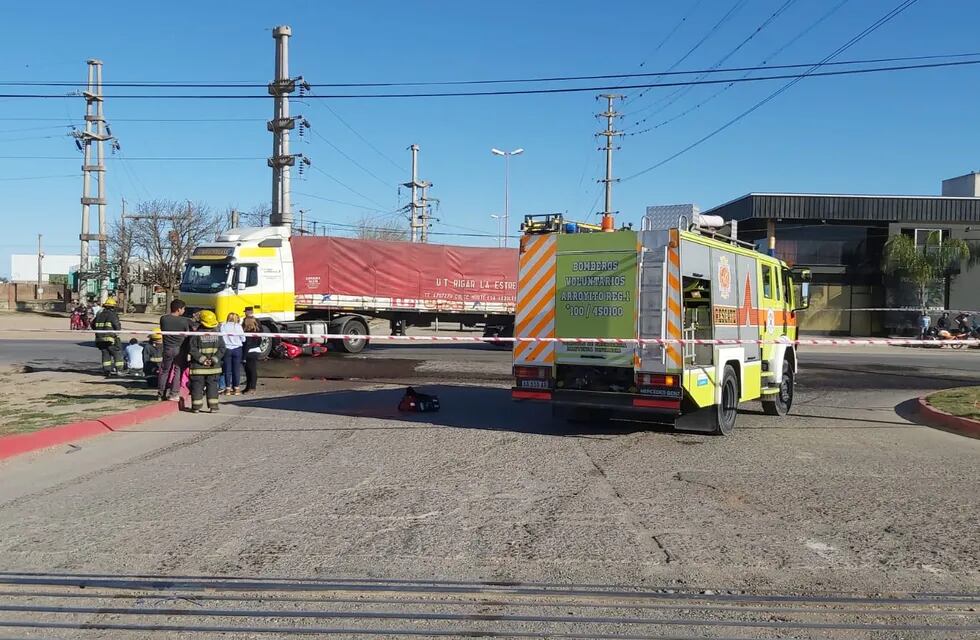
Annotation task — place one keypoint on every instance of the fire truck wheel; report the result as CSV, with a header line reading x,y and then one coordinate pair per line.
x,y
783,401
727,410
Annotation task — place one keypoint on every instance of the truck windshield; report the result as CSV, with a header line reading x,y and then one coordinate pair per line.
x,y
204,277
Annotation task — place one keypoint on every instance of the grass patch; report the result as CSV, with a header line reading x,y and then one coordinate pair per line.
x,y
61,399
963,402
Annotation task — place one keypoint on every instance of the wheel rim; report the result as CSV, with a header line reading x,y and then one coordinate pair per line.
x,y
353,342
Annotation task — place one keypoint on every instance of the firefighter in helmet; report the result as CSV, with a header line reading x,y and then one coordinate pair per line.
x,y
152,357
207,352
108,343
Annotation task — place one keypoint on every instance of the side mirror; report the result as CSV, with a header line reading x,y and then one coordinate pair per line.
x,y
804,302
240,286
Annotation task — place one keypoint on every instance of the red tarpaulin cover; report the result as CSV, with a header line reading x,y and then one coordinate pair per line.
x,y
403,270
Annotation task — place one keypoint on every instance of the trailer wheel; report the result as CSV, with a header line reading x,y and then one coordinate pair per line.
x,y
353,327
784,399
726,411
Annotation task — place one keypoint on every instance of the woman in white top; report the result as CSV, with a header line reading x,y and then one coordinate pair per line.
x,y
234,338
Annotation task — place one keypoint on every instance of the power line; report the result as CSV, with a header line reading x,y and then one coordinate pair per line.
x,y
860,36
61,175
677,94
348,187
725,18
533,91
378,151
146,158
612,76
785,46
349,204
350,159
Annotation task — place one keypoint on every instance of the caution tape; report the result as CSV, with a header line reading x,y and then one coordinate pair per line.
x,y
497,340
898,309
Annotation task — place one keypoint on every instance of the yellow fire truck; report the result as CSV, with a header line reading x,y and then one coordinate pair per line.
x,y
673,287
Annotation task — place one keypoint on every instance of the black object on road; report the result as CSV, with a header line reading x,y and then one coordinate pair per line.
x,y
418,402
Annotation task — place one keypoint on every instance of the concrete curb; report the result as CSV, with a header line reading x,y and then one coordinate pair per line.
x,y
938,419
17,444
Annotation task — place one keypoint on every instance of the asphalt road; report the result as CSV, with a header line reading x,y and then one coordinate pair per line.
x,y
318,506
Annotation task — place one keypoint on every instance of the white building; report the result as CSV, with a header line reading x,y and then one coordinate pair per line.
x,y
23,266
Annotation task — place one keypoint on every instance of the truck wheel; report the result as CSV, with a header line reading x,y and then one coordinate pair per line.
x,y
266,344
352,327
783,401
726,411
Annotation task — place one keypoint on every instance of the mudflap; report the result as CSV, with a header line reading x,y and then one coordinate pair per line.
x,y
696,420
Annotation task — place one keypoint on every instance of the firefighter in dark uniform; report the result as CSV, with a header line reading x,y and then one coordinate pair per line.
x,y
206,354
152,357
108,343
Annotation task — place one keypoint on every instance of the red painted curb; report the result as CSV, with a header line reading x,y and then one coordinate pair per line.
x,y
946,421
26,442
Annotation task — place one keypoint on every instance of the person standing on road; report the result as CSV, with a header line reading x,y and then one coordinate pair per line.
x,y
206,353
108,343
253,351
174,351
234,338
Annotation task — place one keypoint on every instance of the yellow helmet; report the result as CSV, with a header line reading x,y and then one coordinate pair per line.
x,y
156,335
208,319
109,302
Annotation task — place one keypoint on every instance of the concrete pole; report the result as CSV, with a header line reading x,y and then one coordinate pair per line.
x,y
100,177
83,254
234,218
40,258
280,125
424,222
610,115
415,198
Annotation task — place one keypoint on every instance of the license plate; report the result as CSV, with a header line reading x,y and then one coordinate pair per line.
x,y
533,384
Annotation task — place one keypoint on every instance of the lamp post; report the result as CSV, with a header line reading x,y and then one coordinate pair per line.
x,y
498,219
506,155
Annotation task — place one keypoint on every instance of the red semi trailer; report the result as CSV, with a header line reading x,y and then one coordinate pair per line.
x,y
328,284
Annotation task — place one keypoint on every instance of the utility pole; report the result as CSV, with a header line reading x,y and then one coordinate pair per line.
x,y
302,224
95,131
419,215
123,287
314,227
234,218
610,114
40,270
424,223
281,123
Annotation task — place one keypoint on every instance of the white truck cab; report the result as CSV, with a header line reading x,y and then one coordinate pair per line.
x,y
245,267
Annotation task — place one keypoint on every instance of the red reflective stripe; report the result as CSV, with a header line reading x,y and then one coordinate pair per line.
x,y
530,395
658,404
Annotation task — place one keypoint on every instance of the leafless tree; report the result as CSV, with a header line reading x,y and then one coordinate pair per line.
x,y
369,228
121,252
163,233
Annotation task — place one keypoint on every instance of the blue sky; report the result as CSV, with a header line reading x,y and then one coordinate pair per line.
x,y
887,133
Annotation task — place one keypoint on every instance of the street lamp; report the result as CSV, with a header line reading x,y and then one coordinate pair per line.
x,y
498,219
506,155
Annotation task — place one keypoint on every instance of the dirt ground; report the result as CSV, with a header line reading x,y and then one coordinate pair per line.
x,y
31,400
